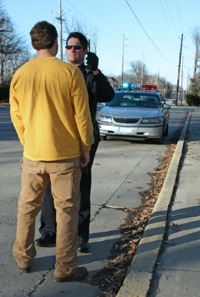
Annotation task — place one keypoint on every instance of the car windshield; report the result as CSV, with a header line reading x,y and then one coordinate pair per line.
x,y
135,100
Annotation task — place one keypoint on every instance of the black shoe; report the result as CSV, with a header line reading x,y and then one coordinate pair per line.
x,y
83,246
25,269
79,275
46,240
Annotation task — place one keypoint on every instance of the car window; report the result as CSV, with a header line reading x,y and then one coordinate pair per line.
x,y
135,100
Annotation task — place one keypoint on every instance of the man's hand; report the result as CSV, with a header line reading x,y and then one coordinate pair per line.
x,y
92,61
84,158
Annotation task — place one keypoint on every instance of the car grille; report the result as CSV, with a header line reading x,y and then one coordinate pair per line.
x,y
126,121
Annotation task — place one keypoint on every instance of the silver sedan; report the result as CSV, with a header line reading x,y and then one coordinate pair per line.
x,y
140,115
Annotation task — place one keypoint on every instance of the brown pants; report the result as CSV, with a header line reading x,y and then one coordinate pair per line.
x,y
65,183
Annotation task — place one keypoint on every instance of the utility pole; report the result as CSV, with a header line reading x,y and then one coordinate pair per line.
x,y
123,59
142,70
188,79
182,93
123,46
60,19
179,67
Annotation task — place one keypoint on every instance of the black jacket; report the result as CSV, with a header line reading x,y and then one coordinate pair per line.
x,y
99,89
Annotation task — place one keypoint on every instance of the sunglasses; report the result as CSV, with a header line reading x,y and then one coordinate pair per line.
x,y
76,47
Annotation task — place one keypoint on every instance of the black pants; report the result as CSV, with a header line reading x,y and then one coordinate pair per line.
x,y
48,212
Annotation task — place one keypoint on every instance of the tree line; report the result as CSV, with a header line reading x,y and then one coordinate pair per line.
x,y
13,52
193,93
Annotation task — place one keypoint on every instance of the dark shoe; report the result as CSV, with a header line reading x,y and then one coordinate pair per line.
x,y
46,240
25,269
83,246
79,275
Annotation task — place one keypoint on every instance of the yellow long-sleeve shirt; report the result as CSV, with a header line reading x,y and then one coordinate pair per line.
x,y
49,109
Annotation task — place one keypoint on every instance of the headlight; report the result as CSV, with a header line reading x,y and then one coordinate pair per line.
x,y
104,118
153,120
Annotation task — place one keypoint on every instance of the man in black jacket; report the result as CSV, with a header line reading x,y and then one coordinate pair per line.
x,y
99,90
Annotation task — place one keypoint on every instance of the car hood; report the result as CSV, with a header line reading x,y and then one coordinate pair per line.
x,y
131,112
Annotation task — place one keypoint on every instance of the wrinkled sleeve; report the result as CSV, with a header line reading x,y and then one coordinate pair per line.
x,y
15,111
82,111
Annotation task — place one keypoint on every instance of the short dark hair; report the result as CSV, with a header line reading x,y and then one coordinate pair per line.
x,y
83,40
43,35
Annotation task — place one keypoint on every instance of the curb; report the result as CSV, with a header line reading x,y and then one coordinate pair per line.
x,y
139,276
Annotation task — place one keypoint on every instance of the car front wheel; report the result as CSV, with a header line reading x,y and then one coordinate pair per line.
x,y
103,137
166,130
161,138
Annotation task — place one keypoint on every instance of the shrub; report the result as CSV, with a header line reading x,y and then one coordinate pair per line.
x,y
192,100
4,93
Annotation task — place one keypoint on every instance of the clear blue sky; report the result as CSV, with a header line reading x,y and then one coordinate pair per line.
x,y
152,30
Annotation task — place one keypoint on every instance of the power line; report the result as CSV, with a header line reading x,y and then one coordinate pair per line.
x,y
105,33
178,9
168,24
147,33
171,17
60,19
86,17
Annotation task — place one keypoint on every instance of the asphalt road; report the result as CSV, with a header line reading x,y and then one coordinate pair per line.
x,y
121,171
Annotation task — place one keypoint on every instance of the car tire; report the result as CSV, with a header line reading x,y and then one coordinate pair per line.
x,y
103,137
166,130
160,139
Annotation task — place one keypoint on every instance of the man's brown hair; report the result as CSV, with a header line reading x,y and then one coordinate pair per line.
x,y
43,35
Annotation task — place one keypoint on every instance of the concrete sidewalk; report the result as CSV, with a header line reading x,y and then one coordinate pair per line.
x,y
167,262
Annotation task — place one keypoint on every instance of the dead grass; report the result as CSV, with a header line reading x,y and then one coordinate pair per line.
x,y
111,277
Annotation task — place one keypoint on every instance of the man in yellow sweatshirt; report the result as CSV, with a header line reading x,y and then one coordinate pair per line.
x,y
50,112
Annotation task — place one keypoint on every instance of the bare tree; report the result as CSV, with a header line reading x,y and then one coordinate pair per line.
x,y
13,52
138,72
193,94
77,25
196,39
